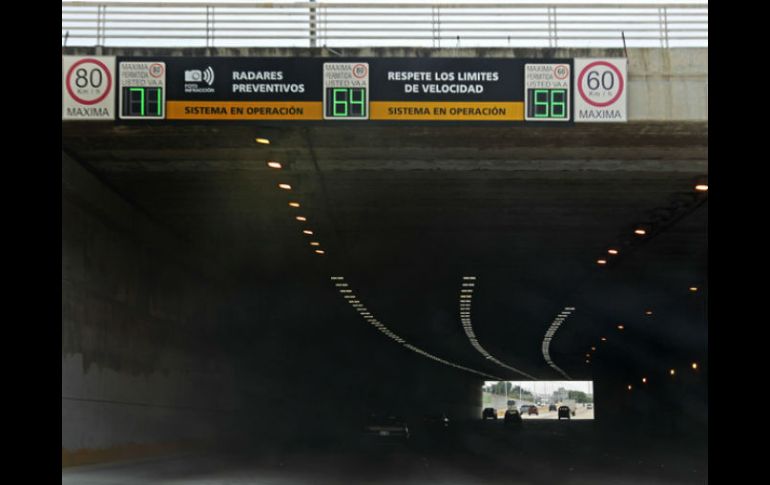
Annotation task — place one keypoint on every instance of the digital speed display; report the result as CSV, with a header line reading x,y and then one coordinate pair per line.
x,y
547,92
346,103
547,104
141,102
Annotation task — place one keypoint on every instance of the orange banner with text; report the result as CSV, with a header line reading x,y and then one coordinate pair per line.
x,y
447,111
244,110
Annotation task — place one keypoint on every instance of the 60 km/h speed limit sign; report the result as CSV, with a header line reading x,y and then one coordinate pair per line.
x,y
88,88
600,90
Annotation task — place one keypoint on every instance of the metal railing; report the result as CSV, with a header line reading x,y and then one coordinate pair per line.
x,y
311,24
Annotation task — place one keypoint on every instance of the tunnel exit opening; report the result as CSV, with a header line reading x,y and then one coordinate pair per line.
x,y
538,400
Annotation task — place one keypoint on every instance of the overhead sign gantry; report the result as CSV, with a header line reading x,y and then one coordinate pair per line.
x,y
344,89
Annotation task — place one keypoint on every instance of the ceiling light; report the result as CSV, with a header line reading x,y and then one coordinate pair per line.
x,y
308,232
588,361
588,355
672,372
702,187
640,232
613,251
601,261
284,186
315,243
593,348
262,141
648,312
693,289
621,327
293,204
629,387
604,339
320,251
273,164
644,380
694,366
301,218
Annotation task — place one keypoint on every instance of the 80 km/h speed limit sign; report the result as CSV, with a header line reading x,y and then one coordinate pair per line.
x,y
88,88
601,86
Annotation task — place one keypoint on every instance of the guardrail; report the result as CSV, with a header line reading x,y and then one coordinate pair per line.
x,y
316,24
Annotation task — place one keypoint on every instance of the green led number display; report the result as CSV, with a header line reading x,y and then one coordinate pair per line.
x,y
547,103
346,102
142,102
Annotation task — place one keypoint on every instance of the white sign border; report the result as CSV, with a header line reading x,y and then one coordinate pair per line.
x,y
108,102
621,103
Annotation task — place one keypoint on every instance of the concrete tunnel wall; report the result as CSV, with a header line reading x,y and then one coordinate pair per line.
x,y
136,371
160,352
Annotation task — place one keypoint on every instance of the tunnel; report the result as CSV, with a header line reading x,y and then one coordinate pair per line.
x,y
239,298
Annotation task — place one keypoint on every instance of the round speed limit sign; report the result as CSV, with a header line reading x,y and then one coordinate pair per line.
x,y
88,88
600,87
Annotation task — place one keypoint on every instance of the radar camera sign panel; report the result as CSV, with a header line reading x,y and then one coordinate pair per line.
x,y
600,90
346,91
142,90
546,92
88,88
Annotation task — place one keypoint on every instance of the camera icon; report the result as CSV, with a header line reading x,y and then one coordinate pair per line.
x,y
194,76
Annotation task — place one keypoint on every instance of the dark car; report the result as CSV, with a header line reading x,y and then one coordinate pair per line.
x,y
489,413
386,428
533,410
552,407
437,421
512,416
564,412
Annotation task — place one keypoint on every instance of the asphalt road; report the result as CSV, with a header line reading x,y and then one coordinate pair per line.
x,y
481,452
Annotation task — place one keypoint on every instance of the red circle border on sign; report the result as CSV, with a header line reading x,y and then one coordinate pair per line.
x,y
583,94
354,70
106,91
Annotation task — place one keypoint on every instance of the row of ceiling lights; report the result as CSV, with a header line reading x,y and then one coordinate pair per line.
x,y
671,372
347,293
466,295
294,204
555,324
643,230
640,231
621,327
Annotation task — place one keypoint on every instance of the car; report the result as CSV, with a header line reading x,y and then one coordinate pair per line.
x,y
386,428
564,412
524,409
552,407
589,406
512,416
533,410
489,413
436,421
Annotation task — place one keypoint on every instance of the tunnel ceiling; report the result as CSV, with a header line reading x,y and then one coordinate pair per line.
x,y
404,212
